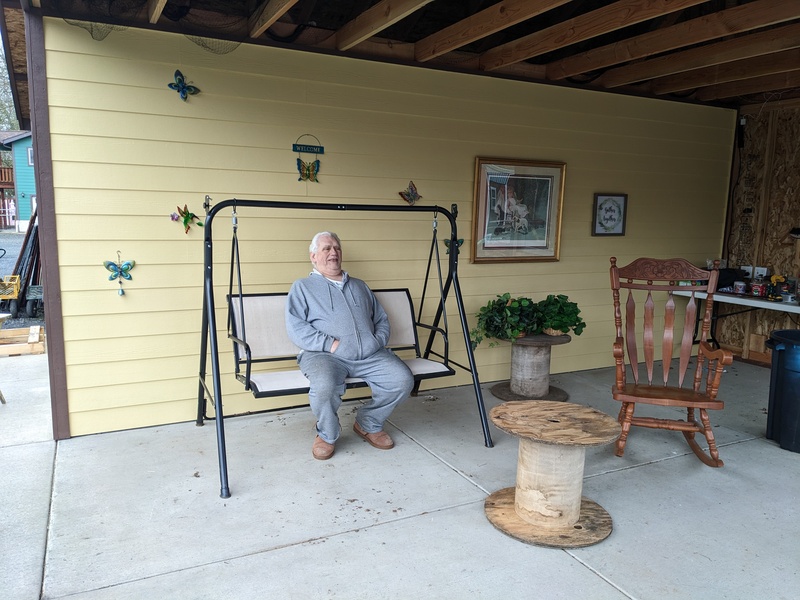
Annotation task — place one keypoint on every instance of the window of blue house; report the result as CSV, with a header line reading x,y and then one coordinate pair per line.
x,y
30,156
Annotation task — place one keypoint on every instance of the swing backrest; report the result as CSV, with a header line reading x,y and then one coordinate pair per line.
x,y
264,328
400,309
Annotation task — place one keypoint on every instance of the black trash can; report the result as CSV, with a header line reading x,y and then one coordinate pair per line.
x,y
783,414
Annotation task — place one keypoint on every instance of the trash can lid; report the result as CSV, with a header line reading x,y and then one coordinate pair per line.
x,y
787,336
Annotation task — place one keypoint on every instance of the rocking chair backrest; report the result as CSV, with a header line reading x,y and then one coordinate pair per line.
x,y
654,276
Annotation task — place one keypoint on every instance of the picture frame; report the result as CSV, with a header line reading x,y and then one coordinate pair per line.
x,y
517,209
609,214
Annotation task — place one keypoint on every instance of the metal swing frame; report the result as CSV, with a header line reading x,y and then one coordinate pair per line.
x,y
209,345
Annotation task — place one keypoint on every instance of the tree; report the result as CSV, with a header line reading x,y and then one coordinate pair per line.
x,y
8,115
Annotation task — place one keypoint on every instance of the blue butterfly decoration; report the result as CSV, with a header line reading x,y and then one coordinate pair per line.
x,y
458,245
410,195
184,89
119,270
308,170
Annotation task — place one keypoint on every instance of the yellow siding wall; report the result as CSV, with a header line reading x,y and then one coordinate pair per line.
x,y
127,151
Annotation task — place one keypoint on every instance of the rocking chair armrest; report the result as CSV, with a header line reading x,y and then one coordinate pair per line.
x,y
717,359
619,362
725,357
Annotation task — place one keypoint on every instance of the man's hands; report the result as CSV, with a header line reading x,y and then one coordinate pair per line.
x,y
334,346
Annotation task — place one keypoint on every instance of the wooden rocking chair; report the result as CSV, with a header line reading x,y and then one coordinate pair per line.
x,y
656,277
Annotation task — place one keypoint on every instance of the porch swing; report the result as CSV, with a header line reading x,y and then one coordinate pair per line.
x,y
255,323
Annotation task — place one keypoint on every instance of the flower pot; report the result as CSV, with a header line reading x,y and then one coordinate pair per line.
x,y
550,331
530,370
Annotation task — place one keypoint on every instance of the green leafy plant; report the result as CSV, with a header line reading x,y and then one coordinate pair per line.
x,y
558,313
508,318
505,318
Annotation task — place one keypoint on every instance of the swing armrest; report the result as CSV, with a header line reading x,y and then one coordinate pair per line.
x,y
242,343
432,328
248,359
445,339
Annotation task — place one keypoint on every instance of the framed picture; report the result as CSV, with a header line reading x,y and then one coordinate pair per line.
x,y
610,211
517,210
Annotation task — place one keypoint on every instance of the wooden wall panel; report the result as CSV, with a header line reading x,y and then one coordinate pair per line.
x,y
765,204
127,151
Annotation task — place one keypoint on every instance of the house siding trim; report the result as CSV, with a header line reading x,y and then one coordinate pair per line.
x,y
46,216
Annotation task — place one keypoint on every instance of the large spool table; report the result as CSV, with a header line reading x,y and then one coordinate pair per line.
x,y
546,507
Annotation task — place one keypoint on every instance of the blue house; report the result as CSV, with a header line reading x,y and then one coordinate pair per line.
x,y
24,203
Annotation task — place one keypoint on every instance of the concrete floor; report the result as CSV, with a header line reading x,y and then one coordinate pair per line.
x,y
137,514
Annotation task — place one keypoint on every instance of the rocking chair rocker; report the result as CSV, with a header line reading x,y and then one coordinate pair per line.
x,y
655,277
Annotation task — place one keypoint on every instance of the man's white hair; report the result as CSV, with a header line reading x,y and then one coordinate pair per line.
x,y
314,246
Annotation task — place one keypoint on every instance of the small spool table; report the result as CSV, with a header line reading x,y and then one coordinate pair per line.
x,y
530,370
546,508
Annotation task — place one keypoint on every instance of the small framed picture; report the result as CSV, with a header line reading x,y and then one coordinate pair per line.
x,y
610,211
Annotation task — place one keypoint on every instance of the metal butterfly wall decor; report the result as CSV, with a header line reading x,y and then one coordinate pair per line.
x,y
308,170
410,195
458,245
119,270
184,89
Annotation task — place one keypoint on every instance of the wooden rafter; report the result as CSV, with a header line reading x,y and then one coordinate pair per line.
x,y
490,20
154,10
377,18
603,20
767,84
727,22
768,64
266,14
756,44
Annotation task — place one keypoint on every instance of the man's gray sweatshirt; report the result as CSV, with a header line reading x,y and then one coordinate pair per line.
x,y
318,312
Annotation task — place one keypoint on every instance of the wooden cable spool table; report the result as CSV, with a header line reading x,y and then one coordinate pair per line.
x,y
545,507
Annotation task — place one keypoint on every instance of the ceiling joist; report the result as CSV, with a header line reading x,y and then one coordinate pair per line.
x,y
707,51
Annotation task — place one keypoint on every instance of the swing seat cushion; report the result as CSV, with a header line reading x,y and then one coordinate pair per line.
x,y
261,338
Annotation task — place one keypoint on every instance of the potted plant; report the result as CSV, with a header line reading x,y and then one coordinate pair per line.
x,y
506,318
520,320
559,316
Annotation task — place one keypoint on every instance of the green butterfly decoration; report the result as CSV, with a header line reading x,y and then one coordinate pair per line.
x,y
458,245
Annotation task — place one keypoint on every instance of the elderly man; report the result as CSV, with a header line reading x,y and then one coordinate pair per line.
x,y
342,331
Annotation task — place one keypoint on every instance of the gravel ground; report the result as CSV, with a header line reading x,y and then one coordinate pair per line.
x,y
11,242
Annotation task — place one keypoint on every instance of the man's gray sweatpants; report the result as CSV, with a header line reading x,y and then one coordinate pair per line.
x,y
387,376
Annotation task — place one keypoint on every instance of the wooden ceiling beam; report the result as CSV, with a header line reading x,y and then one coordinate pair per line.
x,y
748,46
703,29
154,10
486,22
266,14
603,20
738,70
375,20
767,83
